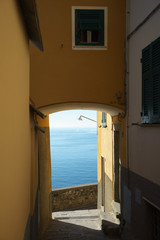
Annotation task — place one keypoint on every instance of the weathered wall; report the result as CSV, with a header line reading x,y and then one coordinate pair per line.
x,y
15,146
62,75
141,181
76,197
105,147
143,142
122,123
138,203
34,181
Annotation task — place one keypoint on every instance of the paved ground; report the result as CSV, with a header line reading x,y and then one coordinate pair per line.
x,y
77,225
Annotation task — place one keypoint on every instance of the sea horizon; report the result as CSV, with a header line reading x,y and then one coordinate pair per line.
x,y
73,156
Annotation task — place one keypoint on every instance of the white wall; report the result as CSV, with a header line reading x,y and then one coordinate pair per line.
x,y
144,154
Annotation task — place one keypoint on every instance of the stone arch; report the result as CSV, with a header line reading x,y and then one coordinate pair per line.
x,y
113,111
45,170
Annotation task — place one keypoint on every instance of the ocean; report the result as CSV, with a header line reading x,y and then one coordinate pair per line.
x,y
73,156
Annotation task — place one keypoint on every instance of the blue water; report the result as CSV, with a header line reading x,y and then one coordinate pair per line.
x,y
73,156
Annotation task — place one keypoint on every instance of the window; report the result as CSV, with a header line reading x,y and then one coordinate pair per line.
x,y
89,27
151,83
104,119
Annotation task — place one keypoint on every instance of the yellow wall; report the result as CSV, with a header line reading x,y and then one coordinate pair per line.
x,y
34,166
105,143
122,122
44,174
15,146
60,74
106,149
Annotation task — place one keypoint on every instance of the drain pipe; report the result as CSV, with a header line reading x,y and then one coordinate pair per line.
x,y
126,83
144,21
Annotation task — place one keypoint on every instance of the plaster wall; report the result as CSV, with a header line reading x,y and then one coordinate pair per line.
x,y
15,146
122,123
61,75
44,174
139,10
105,149
143,148
34,165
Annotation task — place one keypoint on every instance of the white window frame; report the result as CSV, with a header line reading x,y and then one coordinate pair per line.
x,y
75,47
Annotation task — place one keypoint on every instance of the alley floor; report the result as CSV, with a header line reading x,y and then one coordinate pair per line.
x,y
77,225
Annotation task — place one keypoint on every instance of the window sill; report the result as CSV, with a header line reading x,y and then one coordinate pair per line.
x,y
101,126
89,48
146,124
150,125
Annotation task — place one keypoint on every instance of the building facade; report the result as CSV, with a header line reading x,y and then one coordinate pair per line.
x,y
84,44
141,179
111,139
83,67
18,144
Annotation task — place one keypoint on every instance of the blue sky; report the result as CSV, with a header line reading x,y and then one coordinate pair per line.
x,y
69,119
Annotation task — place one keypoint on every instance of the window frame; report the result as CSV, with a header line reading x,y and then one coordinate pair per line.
x,y
89,47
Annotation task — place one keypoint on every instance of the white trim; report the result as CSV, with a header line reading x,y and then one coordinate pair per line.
x,y
88,48
113,111
74,47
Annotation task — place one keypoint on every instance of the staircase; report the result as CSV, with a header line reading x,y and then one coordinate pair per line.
x,y
76,225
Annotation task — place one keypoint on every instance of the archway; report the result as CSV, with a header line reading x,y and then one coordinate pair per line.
x,y
44,171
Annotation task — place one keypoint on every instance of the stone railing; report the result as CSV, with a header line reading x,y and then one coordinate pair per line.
x,y
74,198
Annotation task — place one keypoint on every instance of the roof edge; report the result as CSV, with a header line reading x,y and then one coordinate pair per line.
x,y
30,15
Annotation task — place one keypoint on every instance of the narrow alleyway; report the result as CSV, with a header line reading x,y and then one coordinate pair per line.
x,y
77,225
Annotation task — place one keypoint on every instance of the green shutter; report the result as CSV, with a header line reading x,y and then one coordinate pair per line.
x,y
156,80
104,119
89,21
101,36
151,83
146,84
92,20
77,29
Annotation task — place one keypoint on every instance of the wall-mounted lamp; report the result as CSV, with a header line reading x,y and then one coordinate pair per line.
x,y
81,116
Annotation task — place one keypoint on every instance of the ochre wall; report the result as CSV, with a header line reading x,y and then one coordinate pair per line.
x,y
34,165
105,148
15,147
62,75
44,174
122,122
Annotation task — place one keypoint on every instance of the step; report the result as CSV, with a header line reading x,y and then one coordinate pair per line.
x,y
116,207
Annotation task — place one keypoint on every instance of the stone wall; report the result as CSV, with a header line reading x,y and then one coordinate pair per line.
x,y
74,198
